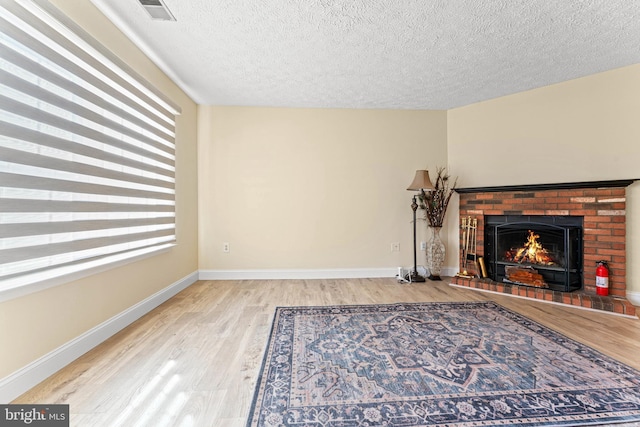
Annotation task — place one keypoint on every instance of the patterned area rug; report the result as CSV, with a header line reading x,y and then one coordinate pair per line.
x,y
434,364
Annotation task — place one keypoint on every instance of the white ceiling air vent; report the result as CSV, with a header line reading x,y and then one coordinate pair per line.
x,y
157,9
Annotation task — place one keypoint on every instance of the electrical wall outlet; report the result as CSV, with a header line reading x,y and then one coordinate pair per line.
x,y
225,247
423,246
395,247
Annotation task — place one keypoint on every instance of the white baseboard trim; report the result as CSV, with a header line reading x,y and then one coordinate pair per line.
x,y
449,271
309,274
634,298
27,377
339,273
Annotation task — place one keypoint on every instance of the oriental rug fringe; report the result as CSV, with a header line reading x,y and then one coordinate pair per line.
x,y
434,364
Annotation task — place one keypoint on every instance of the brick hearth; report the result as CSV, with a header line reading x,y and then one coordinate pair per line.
x,y
602,206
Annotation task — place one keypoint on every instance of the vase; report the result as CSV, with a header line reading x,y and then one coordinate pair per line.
x,y
435,254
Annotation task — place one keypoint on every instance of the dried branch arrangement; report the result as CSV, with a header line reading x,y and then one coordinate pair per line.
x,y
435,202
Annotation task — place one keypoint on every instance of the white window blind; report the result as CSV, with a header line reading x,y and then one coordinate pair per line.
x,y
87,150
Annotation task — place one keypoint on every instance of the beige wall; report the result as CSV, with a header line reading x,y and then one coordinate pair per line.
x,y
33,325
311,188
581,130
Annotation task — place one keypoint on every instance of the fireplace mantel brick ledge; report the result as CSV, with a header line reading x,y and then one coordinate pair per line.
x,y
602,205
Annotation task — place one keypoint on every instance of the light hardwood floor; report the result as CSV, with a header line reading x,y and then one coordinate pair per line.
x,y
194,360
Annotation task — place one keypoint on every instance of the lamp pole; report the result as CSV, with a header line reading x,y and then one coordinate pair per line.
x,y
414,276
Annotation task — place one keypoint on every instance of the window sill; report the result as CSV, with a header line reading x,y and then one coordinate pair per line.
x,y
17,291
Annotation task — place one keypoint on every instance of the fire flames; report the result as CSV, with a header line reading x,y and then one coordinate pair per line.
x,y
532,252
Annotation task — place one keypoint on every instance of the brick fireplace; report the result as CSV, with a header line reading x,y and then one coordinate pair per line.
x,y
600,205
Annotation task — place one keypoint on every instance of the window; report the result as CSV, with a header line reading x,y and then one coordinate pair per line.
x,y
87,151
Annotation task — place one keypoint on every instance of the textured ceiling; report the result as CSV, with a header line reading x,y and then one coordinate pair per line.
x,y
399,54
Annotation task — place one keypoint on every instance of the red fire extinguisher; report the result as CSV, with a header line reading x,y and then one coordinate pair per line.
x,y
602,278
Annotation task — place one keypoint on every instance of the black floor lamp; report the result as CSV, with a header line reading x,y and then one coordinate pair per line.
x,y
421,182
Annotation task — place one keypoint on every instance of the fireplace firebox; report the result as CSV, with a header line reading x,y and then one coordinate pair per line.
x,y
539,251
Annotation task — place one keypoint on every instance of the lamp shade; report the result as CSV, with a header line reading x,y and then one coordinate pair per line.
x,y
421,181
